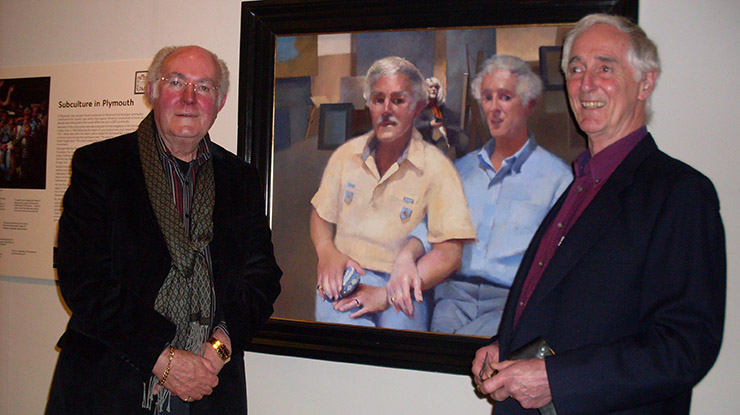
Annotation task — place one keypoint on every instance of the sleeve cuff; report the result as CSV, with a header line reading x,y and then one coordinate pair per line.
x,y
222,325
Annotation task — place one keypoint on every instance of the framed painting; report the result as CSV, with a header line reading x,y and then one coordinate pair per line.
x,y
303,60
550,67
335,125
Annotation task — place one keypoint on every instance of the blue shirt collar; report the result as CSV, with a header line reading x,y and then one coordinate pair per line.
x,y
514,162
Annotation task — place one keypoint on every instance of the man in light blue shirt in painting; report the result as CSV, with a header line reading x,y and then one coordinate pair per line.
x,y
510,185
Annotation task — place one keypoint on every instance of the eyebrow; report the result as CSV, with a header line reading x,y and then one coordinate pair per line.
x,y
607,59
376,93
598,58
498,91
178,74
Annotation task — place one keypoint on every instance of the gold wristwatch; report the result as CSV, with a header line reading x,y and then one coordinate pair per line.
x,y
221,350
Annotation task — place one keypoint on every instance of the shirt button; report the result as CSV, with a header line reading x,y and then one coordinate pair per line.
x,y
597,180
521,303
560,225
580,188
540,263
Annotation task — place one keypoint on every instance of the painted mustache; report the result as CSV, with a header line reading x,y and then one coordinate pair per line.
x,y
385,118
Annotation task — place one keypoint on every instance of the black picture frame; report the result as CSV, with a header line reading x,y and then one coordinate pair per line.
x,y
262,21
552,77
335,125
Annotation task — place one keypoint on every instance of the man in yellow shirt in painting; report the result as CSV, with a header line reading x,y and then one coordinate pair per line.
x,y
374,191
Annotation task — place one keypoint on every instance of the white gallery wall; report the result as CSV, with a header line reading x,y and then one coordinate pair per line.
x,y
696,120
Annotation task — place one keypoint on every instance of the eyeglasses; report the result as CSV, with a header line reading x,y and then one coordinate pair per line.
x,y
176,84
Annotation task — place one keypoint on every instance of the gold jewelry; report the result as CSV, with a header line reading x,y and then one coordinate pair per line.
x,y
318,287
167,369
393,300
188,399
221,350
358,303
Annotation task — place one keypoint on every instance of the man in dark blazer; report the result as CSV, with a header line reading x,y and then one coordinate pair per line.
x,y
165,258
625,278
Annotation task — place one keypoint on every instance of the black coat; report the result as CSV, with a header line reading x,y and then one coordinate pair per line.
x,y
113,259
633,301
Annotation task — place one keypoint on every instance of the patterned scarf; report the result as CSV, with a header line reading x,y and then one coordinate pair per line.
x,y
185,297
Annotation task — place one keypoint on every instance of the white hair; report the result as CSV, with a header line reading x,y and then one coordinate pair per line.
x,y
528,84
441,95
392,65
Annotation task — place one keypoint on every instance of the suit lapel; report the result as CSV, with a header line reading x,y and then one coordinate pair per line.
x,y
586,231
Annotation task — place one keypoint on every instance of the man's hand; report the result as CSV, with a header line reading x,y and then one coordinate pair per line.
x,y
523,380
332,263
482,369
190,378
368,298
330,271
404,279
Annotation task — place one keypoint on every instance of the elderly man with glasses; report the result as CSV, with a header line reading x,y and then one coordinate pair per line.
x,y
165,258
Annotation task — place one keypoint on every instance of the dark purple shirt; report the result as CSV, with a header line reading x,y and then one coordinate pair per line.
x,y
590,175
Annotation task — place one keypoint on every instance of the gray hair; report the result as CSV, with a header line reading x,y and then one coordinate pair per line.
x,y
392,65
528,84
642,54
441,95
155,71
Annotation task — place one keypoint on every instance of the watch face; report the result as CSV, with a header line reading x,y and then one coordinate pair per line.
x,y
220,349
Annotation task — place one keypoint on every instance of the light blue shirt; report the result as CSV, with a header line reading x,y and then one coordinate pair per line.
x,y
506,207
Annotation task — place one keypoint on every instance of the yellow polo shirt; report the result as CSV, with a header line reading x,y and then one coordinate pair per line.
x,y
374,215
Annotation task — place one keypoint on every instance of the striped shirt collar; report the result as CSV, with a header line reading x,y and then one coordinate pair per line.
x,y
204,149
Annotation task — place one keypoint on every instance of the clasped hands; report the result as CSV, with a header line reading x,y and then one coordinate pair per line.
x,y
523,380
367,298
192,376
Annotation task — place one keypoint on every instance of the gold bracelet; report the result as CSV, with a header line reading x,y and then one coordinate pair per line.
x,y
167,369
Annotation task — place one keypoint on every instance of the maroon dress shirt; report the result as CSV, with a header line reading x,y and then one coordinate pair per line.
x,y
591,172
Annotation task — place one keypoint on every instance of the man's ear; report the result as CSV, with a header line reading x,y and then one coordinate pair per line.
x,y
149,91
647,85
223,102
529,108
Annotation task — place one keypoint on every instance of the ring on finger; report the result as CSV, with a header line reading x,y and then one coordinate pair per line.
x,y
359,304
